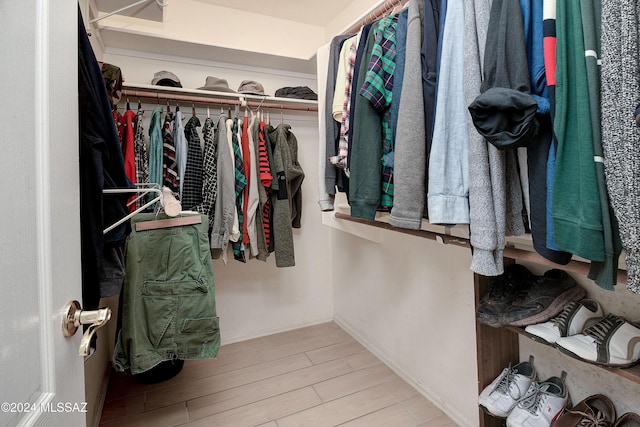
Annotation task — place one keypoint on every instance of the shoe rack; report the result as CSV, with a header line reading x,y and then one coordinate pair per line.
x,y
497,347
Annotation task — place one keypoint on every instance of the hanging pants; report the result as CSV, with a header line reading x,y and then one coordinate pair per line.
x,y
168,306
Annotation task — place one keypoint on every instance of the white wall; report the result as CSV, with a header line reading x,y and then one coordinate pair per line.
x,y
257,298
410,301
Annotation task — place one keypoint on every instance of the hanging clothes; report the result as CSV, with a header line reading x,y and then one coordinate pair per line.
x,y
329,176
101,167
225,224
170,309
246,165
538,149
266,178
286,193
209,168
128,151
180,145
253,200
448,169
141,155
156,149
620,94
410,158
577,213
603,273
193,173
240,184
170,177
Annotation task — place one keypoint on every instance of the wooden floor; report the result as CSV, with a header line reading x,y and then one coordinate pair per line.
x,y
314,376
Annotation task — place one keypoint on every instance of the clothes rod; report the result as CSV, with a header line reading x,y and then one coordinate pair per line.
x,y
206,100
372,16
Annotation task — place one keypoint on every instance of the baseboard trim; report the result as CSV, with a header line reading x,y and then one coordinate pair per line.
x,y
270,331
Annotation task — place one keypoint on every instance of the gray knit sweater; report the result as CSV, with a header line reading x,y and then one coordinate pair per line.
x,y
495,200
620,95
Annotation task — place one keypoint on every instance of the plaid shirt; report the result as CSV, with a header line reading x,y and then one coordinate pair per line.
x,y
378,89
209,171
192,184
343,146
241,183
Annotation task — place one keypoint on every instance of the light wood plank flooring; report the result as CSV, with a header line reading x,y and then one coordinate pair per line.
x,y
314,376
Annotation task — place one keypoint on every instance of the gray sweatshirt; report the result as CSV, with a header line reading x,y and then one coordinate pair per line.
x,y
410,149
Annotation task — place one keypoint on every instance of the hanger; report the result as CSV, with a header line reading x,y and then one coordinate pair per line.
x,y
177,106
193,110
128,107
168,106
139,104
281,115
208,112
171,206
168,222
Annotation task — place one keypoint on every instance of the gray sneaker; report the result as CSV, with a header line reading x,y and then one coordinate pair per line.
x,y
502,290
544,299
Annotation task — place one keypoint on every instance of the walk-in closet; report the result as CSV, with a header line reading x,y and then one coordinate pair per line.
x,y
293,213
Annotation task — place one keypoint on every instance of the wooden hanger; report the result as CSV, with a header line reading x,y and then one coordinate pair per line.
x,y
193,109
168,222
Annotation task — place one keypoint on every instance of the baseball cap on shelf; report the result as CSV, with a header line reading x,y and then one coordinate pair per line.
x,y
216,84
165,78
251,87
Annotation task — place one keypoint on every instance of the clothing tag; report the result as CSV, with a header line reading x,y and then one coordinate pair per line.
x,y
282,186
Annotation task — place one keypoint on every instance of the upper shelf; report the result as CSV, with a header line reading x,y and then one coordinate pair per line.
x,y
162,93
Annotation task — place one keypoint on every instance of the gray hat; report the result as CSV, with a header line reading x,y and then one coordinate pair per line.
x,y
251,87
216,84
166,78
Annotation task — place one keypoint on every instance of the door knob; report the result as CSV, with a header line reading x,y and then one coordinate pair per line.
x,y
73,316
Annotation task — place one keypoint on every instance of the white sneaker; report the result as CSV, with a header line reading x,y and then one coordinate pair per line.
x,y
502,395
574,318
611,342
542,405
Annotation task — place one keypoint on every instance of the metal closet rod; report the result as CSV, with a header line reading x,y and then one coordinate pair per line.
x,y
218,101
376,13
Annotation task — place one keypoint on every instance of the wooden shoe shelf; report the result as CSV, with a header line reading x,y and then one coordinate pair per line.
x,y
497,347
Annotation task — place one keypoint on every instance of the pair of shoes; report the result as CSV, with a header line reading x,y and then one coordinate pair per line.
x,y
502,395
516,279
545,299
594,411
520,298
612,341
630,419
542,405
572,320
517,396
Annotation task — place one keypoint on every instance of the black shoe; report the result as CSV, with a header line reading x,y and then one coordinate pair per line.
x,y
502,290
544,299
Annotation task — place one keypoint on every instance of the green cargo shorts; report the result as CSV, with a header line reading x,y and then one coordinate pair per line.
x,y
168,304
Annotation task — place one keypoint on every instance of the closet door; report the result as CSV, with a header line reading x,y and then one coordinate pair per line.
x,y
41,374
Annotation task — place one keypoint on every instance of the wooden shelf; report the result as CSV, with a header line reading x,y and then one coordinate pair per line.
x,y
631,374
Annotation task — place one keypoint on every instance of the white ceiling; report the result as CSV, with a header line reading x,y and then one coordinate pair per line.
x,y
311,12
